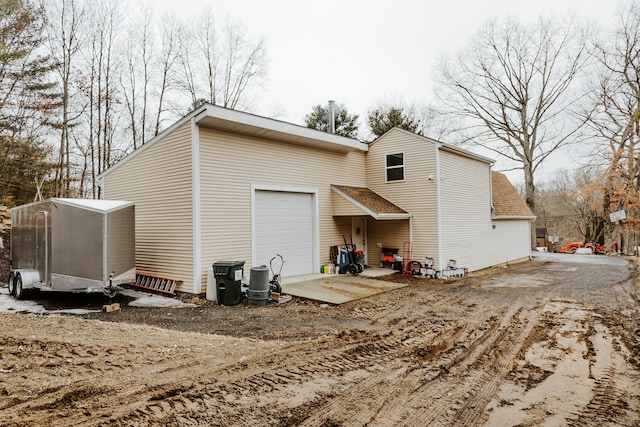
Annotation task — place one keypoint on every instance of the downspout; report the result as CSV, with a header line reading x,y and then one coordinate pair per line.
x,y
438,206
196,205
491,189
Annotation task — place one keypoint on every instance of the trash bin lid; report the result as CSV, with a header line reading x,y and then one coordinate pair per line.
x,y
222,268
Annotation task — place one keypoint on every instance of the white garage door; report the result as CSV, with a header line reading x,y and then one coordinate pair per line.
x,y
284,225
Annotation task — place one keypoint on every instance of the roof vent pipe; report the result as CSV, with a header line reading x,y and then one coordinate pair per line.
x,y
332,116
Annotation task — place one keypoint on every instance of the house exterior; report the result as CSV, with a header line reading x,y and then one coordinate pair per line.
x,y
221,185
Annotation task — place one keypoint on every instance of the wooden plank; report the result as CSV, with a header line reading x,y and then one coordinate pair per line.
x,y
111,307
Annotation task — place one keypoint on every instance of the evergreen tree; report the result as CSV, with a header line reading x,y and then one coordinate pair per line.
x,y
27,100
382,119
345,124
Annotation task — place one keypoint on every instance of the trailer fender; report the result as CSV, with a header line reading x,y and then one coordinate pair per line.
x,y
29,277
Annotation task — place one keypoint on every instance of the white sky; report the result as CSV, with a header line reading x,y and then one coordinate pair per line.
x,y
357,52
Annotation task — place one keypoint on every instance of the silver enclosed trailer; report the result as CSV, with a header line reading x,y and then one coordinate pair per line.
x,y
72,245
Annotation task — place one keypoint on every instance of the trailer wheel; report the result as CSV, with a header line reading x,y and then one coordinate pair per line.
x,y
19,290
11,284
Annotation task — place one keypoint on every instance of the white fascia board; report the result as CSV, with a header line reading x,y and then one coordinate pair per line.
x,y
383,217
235,116
152,141
465,153
511,217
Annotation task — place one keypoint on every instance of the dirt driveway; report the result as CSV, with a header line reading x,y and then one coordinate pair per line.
x,y
550,342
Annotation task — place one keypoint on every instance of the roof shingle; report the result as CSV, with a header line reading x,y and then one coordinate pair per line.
x,y
506,200
370,200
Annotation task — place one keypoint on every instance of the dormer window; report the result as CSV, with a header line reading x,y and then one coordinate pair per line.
x,y
395,167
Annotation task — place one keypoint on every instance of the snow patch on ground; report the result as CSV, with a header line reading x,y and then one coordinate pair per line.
x,y
143,299
9,304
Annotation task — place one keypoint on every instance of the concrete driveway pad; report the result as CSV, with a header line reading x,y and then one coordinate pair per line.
x,y
337,289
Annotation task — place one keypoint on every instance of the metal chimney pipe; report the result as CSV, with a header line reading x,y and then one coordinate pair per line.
x,y
332,116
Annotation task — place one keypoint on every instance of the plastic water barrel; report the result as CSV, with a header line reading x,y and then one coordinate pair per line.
x,y
258,293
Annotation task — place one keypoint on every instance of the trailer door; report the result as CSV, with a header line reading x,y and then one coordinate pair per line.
x,y
42,245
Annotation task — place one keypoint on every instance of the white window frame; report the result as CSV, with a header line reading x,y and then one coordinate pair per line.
x,y
403,167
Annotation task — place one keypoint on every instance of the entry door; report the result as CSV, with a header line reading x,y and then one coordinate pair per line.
x,y
359,234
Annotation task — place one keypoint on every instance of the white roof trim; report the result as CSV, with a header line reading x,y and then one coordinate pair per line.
x,y
221,118
96,205
498,217
217,117
439,144
148,144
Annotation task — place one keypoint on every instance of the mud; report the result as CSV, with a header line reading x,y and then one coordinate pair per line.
x,y
547,342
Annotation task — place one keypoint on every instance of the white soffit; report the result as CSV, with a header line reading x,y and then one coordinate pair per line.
x,y
233,121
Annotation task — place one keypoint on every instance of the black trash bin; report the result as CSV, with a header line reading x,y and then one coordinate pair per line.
x,y
228,275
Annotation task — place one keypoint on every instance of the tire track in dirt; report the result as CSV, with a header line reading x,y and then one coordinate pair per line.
x,y
459,398
572,371
356,406
346,363
440,354
338,369
608,404
161,398
79,379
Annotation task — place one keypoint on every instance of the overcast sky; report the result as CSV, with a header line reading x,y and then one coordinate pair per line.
x,y
359,52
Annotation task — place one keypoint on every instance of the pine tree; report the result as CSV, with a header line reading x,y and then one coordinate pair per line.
x,y
345,124
27,100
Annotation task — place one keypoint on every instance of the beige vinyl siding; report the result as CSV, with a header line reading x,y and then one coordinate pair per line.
x,y
230,164
465,197
343,207
158,180
389,234
510,241
416,194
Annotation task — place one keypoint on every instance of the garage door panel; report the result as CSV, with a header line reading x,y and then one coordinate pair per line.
x,y
284,225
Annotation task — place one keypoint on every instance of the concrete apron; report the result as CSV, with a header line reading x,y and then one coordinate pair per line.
x,y
339,288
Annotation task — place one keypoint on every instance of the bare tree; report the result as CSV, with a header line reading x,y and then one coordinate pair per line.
x,y
136,77
570,206
220,66
115,68
65,41
102,90
166,65
615,114
513,86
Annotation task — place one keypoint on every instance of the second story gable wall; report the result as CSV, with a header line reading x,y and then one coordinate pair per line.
x,y
465,197
416,193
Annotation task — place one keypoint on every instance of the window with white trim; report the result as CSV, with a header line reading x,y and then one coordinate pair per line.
x,y
395,167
